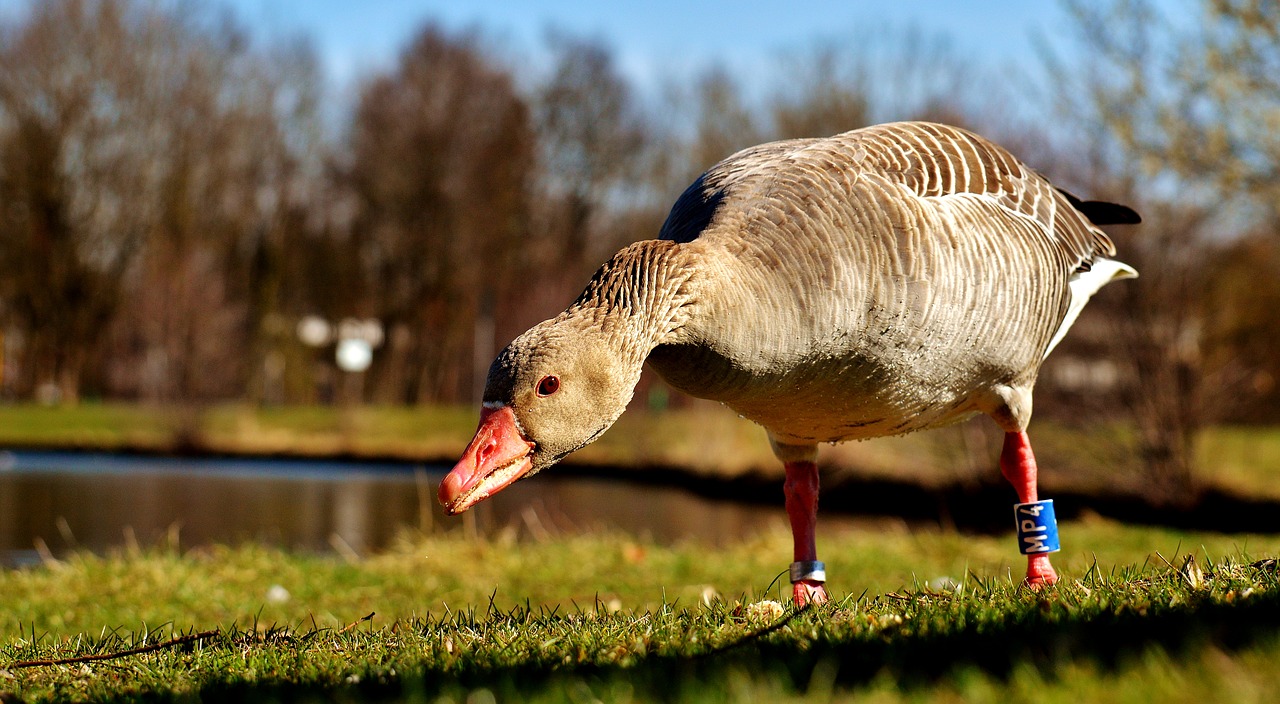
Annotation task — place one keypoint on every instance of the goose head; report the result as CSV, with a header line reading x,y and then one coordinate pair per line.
x,y
553,390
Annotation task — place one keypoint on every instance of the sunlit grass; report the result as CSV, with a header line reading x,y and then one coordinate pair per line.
x,y
919,616
202,588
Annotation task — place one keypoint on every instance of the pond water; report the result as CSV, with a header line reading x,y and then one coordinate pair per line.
x,y
55,502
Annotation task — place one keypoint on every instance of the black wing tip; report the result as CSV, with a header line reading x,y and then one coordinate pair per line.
x,y
1101,212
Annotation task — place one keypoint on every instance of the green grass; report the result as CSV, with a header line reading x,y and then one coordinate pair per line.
x,y
919,616
1245,460
104,426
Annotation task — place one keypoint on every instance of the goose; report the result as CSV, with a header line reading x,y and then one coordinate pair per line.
x,y
885,280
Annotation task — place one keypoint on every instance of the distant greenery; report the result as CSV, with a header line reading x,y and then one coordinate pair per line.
x,y
1244,459
1141,615
704,439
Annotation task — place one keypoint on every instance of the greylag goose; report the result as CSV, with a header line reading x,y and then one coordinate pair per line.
x,y
881,281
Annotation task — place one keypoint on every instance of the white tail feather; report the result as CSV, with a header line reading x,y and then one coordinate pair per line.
x,y
1083,285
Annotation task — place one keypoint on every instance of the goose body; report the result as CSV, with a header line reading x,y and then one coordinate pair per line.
x,y
881,281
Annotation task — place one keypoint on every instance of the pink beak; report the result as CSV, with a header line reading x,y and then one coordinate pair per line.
x,y
498,455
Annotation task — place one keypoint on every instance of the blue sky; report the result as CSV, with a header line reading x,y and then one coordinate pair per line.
x,y
653,39
656,39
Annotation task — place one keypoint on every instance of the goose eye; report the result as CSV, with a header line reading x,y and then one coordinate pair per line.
x,y
549,385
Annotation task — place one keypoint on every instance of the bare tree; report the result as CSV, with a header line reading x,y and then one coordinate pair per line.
x,y
825,94
441,152
244,162
847,82
703,122
724,122
143,147
1152,131
592,141
1158,320
1216,99
1198,102
68,235
1239,339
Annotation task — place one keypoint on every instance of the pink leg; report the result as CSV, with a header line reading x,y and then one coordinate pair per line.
x,y
801,490
1018,465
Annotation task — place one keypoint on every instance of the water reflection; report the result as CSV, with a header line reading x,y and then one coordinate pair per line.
x,y
65,501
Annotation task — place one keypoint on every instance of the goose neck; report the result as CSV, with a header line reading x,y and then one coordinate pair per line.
x,y
641,296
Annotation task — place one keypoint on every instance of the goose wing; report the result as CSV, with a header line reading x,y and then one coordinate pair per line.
x,y
942,162
928,160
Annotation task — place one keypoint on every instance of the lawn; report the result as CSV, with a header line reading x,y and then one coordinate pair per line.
x,y
1142,614
919,615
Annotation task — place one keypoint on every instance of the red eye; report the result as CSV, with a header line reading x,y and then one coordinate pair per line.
x,y
549,385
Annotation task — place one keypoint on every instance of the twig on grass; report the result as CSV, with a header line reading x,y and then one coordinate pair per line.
x,y
357,622
172,642
757,634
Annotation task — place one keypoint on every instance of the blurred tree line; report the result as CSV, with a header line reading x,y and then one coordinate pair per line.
x,y
175,197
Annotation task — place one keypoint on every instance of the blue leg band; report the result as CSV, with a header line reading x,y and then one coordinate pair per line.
x,y
1037,527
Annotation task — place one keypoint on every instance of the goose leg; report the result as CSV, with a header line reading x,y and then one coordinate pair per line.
x,y
1018,465
807,574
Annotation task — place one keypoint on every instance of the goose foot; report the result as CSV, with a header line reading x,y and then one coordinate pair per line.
x,y
807,592
1039,572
